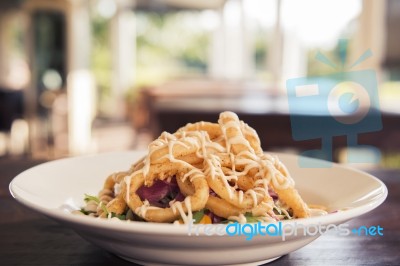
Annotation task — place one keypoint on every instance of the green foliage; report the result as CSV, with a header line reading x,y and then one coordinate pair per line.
x,y
169,45
101,59
316,68
261,50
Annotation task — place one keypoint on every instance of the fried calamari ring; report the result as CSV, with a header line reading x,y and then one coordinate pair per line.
x,y
264,208
174,148
117,205
241,199
215,133
216,205
194,202
105,196
185,186
235,140
252,137
222,208
213,129
288,194
183,148
165,170
180,147
275,174
226,186
114,179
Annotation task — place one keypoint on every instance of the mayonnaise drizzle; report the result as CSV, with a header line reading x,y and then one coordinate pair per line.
x,y
142,210
240,218
253,195
177,205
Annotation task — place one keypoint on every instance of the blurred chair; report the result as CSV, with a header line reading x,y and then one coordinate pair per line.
x,y
11,110
11,107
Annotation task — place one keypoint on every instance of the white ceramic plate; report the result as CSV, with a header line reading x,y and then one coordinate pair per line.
x,y
53,188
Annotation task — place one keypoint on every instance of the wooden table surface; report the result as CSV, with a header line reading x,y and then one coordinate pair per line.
x,y
28,238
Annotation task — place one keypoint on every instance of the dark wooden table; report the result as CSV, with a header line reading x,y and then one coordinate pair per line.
x,y
28,238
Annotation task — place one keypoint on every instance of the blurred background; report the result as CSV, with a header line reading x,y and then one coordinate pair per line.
x,y
88,76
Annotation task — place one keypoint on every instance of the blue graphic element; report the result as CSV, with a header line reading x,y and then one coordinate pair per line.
x,y
348,104
367,54
323,107
323,59
343,44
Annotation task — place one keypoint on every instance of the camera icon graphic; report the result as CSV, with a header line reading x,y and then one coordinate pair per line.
x,y
340,104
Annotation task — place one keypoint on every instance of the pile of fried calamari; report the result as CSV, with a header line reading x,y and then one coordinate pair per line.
x,y
216,169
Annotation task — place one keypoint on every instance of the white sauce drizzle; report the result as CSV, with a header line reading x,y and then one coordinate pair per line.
x,y
142,210
240,218
117,189
177,205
